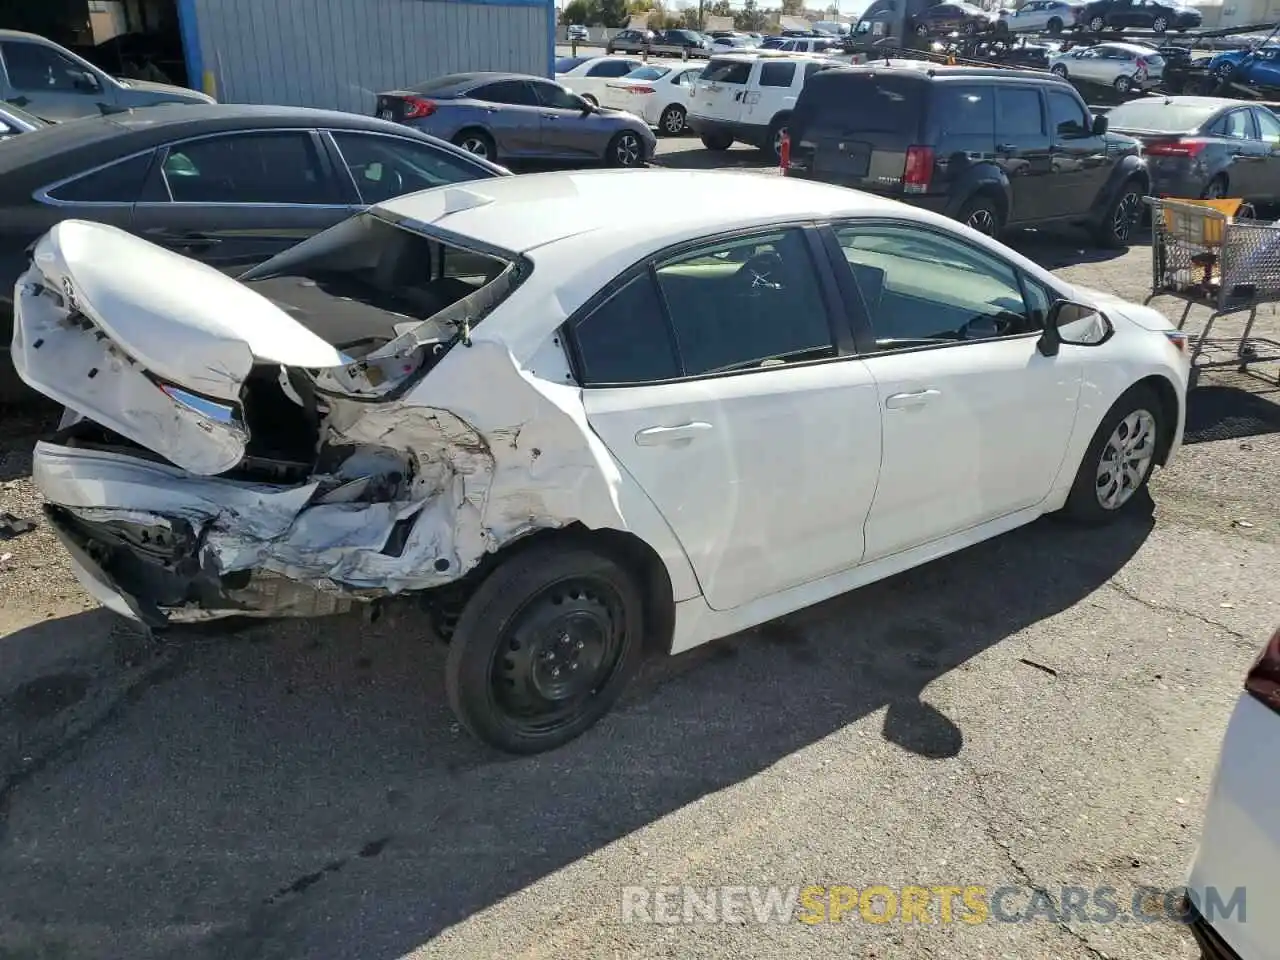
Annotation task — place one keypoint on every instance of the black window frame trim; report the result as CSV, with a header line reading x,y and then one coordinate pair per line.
x,y
44,195
858,317
842,338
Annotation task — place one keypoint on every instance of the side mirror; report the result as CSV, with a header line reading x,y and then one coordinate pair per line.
x,y
586,106
1075,324
1099,126
87,82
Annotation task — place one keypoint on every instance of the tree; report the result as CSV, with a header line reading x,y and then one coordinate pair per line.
x,y
613,13
792,8
575,11
720,8
750,17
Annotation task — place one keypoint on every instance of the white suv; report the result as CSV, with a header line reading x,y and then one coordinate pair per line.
x,y
749,97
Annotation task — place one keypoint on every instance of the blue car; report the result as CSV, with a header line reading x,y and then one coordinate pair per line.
x,y
1260,68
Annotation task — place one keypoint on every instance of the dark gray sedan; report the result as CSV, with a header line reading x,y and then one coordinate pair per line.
x,y
1205,146
518,117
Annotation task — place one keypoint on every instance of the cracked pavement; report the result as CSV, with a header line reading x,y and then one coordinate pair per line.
x,y
1041,711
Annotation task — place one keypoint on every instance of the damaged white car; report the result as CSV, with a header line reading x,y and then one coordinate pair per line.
x,y
573,434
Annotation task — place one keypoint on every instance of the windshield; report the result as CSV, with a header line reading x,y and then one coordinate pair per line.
x,y
647,73
565,64
1160,116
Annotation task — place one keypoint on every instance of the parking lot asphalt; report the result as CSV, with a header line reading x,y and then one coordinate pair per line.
x,y
1040,711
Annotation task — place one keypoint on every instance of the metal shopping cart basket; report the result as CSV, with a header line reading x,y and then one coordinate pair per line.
x,y
1212,253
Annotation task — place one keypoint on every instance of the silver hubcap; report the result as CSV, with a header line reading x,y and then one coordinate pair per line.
x,y
476,145
1122,84
1095,24
627,151
675,121
1159,25
1125,460
982,221
1126,216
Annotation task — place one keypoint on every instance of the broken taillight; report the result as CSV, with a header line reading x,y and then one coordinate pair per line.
x,y
1263,679
917,172
415,108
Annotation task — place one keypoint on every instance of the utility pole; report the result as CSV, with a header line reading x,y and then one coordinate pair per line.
x,y
700,8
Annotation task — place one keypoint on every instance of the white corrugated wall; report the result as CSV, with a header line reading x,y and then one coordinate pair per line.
x,y
338,54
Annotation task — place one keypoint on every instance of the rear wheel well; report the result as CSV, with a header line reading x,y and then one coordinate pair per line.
x,y
992,192
1168,412
637,557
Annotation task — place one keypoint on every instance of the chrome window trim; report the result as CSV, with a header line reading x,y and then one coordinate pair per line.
x,y
43,194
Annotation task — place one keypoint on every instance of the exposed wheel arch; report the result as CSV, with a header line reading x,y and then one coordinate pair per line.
x,y
1168,412
640,560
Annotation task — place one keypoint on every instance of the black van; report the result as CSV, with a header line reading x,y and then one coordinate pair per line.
x,y
989,147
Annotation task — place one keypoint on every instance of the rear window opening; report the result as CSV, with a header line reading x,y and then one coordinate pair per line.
x,y
726,71
648,73
862,102
1156,115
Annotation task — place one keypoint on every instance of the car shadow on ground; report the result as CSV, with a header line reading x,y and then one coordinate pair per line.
x,y
1232,410
301,790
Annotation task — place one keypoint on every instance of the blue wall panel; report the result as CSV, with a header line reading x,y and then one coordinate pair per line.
x,y
339,53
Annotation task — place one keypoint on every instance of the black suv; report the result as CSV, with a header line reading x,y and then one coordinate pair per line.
x,y
989,147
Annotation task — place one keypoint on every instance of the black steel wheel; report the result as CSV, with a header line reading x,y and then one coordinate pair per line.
x,y
544,647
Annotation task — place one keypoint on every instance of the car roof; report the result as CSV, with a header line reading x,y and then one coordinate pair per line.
x,y
537,209
938,70
65,149
22,35
1130,47
1188,101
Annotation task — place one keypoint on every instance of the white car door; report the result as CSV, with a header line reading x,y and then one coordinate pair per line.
x,y
976,420
721,378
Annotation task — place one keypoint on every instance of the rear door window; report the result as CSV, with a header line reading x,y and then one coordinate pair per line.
x,y
269,168
610,68
963,111
778,74
385,167
1018,114
517,93
121,182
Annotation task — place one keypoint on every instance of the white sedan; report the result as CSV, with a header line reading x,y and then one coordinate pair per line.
x,y
1236,874
1051,16
656,92
1124,66
588,78
575,435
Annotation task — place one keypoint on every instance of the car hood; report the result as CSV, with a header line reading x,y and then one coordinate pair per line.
x,y
168,89
1148,318
157,346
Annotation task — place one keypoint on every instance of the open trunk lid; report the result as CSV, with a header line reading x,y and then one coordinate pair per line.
x,y
151,344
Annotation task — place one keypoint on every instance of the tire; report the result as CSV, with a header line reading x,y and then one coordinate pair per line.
x,y
1136,418
545,610
608,51
982,214
1215,189
626,150
1115,230
1055,26
922,31
969,28
1060,70
591,100
673,121
1096,25
773,139
718,142
1159,25
476,142
1123,84
1224,72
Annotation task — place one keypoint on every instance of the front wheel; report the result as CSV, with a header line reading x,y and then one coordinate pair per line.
x,y
1159,25
1055,26
1115,230
544,648
477,142
625,150
1059,70
1096,25
1120,458
1123,84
